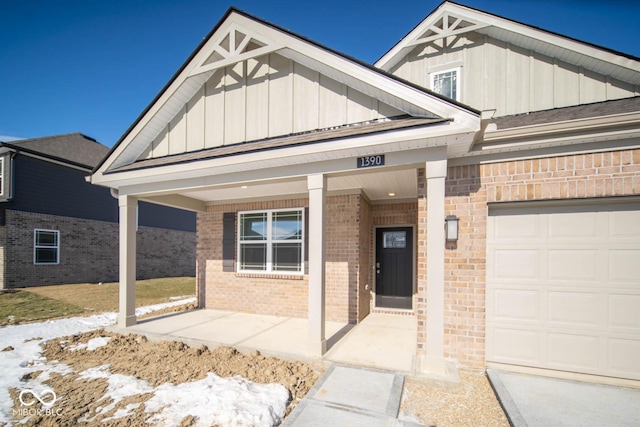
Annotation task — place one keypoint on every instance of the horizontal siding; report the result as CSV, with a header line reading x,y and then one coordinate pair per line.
x,y
47,188
511,80
261,98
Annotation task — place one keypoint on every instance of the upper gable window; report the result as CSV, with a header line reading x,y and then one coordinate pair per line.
x,y
447,83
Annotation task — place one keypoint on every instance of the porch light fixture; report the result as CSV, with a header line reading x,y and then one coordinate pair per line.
x,y
451,228
392,194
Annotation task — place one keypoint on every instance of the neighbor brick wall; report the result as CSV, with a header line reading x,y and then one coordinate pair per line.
x,y
284,295
469,189
89,251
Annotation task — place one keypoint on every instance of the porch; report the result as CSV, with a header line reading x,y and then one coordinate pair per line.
x,y
382,341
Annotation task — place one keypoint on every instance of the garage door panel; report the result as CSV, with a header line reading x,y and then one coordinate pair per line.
x,y
569,351
516,304
624,224
580,309
517,345
518,228
563,292
624,312
516,264
573,265
624,357
624,266
583,225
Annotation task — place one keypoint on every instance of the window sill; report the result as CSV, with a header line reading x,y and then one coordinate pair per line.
x,y
282,276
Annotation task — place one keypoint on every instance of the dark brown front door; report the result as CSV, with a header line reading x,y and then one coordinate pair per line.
x,y
394,267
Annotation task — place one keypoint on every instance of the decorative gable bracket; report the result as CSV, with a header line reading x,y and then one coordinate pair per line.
x,y
447,25
236,45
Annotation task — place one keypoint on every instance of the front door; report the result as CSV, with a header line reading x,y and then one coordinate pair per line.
x,y
394,267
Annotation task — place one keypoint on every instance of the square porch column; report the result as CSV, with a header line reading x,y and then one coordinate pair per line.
x,y
431,359
317,185
127,295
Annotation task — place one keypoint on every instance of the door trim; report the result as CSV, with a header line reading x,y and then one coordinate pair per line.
x,y
413,266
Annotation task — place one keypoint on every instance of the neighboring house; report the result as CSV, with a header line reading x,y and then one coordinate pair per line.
x,y
323,186
55,227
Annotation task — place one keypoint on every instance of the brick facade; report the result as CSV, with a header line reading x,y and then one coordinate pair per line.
x,y
350,241
89,251
349,261
470,189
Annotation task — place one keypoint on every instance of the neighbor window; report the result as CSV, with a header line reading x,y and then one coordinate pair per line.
x,y
447,83
271,241
46,247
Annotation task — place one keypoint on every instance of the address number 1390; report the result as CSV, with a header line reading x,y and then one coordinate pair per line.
x,y
370,161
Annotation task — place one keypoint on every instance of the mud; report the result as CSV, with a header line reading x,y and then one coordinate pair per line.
x,y
154,362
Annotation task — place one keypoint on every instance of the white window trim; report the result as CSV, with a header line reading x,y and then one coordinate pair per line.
x,y
270,242
35,246
458,71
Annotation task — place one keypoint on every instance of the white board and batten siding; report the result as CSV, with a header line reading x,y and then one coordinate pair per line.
x,y
260,98
563,287
512,80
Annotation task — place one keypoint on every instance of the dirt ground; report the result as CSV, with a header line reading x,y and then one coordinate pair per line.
x,y
156,363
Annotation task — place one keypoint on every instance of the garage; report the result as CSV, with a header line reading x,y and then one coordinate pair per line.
x,y
563,286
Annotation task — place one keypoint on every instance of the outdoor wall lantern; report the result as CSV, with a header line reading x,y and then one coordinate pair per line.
x,y
451,228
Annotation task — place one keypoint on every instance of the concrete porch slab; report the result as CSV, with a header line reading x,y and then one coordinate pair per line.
x,y
380,341
273,336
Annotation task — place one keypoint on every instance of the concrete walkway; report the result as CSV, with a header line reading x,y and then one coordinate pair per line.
x,y
534,401
348,396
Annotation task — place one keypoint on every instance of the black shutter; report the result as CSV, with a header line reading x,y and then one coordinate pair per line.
x,y
306,240
228,241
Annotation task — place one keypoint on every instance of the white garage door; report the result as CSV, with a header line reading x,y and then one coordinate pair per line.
x,y
563,287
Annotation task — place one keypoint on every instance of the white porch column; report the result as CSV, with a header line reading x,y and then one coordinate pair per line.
x,y
127,315
317,185
431,359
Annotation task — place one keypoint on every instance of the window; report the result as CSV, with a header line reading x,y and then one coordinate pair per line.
x,y
447,83
46,247
271,241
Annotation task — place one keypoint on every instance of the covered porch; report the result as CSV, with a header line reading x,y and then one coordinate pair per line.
x,y
381,341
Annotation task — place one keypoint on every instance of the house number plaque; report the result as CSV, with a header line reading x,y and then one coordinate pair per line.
x,y
370,161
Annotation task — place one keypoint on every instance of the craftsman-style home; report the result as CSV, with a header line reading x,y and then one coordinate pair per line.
x,y
483,176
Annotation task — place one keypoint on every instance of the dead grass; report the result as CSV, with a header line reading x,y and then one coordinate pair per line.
x,y
21,306
48,302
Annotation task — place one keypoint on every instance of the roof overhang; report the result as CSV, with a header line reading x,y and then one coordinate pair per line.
x,y
209,180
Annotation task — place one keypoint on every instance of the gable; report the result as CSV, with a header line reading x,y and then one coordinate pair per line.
x,y
263,97
510,67
250,80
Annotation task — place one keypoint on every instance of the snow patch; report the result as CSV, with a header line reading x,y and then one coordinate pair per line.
x,y
92,344
219,401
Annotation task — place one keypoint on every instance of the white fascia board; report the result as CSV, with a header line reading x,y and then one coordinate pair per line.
x,y
274,173
589,124
434,135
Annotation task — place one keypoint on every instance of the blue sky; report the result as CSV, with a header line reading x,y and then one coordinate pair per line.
x,y
92,66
